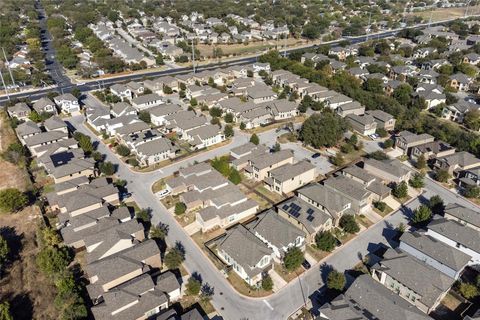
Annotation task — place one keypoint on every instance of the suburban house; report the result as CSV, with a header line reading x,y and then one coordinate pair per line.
x,y
371,182
289,177
121,91
460,82
44,105
259,166
457,111
20,110
261,93
249,257
43,139
155,151
158,114
412,279
457,235
67,103
406,140
350,108
432,150
242,154
457,162
435,253
463,215
368,299
277,233
469,177
364,125
388,171
204,136
27,129
122,109
384,120
359,196
147,101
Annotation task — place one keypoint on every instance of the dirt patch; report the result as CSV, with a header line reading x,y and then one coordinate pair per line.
x,y
446,13
29,292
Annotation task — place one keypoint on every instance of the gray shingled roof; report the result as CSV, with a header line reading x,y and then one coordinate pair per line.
x,y
27,128
289,171
266,160
456,231
463,213
333,201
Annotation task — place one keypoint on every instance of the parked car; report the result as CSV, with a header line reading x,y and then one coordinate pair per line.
x,y
374,136
315,155
125,195
306,264
163,193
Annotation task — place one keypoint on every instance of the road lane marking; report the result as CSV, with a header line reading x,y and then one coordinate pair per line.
x,y
268,304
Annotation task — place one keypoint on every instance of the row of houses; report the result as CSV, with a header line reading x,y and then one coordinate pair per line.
x,y
412,280
65,103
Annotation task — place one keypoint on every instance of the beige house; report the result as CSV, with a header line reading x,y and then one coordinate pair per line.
x,y
384,120
407,140
259,166
388,171
289,177
365,125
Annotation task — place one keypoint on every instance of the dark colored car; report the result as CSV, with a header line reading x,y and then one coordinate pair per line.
x,y
315,155
306,264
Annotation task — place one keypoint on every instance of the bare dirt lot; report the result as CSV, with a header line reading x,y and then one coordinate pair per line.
x,y
29,292
447,13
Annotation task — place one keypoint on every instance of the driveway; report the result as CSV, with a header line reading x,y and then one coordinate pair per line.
x,y
193,228
278,281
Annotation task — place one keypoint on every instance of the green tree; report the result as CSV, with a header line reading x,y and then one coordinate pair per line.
x,y
353,140
84,142
5,311
193,287
234,176
348,224
228,131
97,156
325,241
421,162
436,205
338,160
468,290
403,94
50,237
417,181
242,126
53,261
323,130
471,192
293,258
174,258
380,205
400,190
442,175
254,139
381,132
267,283
167,90
158,233
422,215
123,150
472,120
193,102
222,165
145,116
180,208
378,155
159,60
107,168
15,153
228,118
12,200
276,147
388,144
143,215
215,112
336,280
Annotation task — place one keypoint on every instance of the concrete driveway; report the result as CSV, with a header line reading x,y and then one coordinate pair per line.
x,y
278,281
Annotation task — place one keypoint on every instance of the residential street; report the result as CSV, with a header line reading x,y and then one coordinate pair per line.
x,y
229,303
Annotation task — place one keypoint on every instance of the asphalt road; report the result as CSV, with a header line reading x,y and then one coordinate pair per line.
x,y
229,303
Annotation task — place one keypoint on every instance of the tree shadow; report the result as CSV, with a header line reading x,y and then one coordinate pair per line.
x,y
325,269
14,241
21,306
197,276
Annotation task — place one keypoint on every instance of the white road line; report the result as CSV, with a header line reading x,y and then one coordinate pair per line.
x,y
268,304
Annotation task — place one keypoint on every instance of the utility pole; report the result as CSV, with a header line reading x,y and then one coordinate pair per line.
x,y
430,20
285,47
8,66
466,9
369,24
4,85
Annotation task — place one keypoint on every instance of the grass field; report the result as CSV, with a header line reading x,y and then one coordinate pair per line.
x,y
446,13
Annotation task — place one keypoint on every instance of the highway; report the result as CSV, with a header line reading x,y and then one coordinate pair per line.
x,y
64,84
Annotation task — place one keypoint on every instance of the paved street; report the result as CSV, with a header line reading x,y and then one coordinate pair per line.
x,y
229,303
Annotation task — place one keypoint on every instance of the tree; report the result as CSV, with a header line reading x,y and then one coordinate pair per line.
x,y
159,60
347,148
442,175
123,150
336,280
228,131
193,286
267,283
107,168
403,94
133,162
471,191
422,215
5,311
222,165
53,261
158,233
380,205
15,153
234,176
388,144
215,112
206,293
436,205
76,92
242,126
276,147
143,215
338,160
193,102
325,241
12,200
323,130
254,139
84,142
174,258
293,258
468,290
180,208
228,118
400,190
421,162
50,237
378,155
472,119
348,224
353,140
416,181
381,132
145,116
97,156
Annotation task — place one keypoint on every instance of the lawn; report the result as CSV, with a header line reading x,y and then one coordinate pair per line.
x,y
264,204
241,286
169,201
186,218
403,200
363,220
386,212
158,185
188,301
317,254
285,274
273,196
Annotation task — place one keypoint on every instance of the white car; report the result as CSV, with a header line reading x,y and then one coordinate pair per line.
x,y
162,193
373,136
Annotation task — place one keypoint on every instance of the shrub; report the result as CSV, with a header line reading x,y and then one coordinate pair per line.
x,y
442,175
254,139
267,283
12,200
293,258
174,258
180,208
336,280
348,224
193,286
325,241
123,150
380,205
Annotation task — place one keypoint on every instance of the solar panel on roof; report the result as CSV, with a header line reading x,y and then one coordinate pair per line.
x,y
310,218
285,207
310,211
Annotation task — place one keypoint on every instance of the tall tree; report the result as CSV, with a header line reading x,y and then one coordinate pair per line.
x,y
323,130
